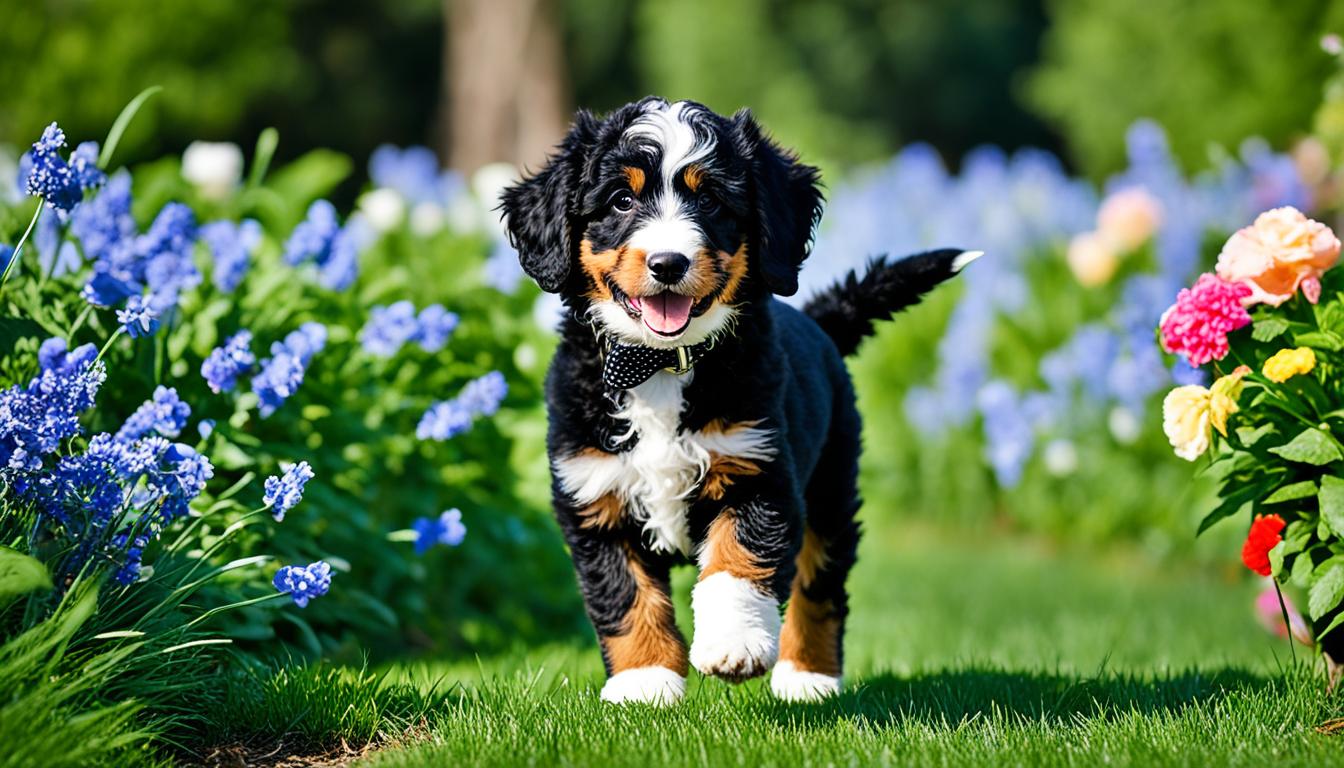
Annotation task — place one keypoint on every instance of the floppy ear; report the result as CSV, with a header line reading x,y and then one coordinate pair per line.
x,y
541,211
788,205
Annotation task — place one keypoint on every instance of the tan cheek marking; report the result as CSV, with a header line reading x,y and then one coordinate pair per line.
x,y
636,178
811,634
724,553
650,637
693,175
597,266
735,265
605,513
631,271
703,277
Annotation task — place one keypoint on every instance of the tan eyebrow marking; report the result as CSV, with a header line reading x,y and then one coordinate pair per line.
x,y
636,178
693,175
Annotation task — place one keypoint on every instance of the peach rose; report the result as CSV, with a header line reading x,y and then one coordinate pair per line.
x,y
1091,259
1129,218
1281,252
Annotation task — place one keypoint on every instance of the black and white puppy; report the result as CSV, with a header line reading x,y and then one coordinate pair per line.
x,y
693,415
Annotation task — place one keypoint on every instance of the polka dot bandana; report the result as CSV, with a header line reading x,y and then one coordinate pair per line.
x,y
629,365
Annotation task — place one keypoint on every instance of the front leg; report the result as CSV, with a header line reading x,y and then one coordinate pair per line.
x,y
744,563
626,592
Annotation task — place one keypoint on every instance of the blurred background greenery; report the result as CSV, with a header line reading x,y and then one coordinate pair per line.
x,y
846,82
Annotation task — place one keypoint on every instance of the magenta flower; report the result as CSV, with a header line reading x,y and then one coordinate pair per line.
x,y
1197,325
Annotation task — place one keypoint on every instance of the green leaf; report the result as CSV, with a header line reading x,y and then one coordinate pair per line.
x,y
19,575
123,120
1302,570
1276,560
1311,446
1327,591
1337,621
1320,340
1296,536
1269,328
1250,437
1331,499
267,141
1291,492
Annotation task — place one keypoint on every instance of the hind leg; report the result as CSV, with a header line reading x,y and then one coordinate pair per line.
x,y
811,644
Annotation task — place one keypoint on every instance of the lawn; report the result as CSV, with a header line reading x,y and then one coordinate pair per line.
x,y
974,649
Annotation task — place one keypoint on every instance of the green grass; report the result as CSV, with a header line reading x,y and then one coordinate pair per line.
x,y
961,651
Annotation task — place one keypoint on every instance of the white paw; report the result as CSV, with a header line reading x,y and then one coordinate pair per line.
x,y
736,628
646,685
790,683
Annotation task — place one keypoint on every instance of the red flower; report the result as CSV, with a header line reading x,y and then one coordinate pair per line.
x,y
1265,533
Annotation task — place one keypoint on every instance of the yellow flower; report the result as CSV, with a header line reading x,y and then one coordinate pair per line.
x,y
1223,398
1287,363
1185,419
1191,413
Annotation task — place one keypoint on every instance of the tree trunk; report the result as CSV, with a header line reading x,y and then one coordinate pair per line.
x,y
505,91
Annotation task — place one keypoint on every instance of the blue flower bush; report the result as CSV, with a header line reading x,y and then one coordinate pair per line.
x,y
1043,364
165,348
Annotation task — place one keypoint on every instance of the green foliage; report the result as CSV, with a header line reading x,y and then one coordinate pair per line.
x,y
849,81
1211,73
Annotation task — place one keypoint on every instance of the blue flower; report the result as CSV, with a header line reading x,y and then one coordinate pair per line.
x,y
483,396
61,184
129,572
6,253
231,245
205,428
303,582
319,238
1009,433
54,257
283,493
311,239
165,252
104,223
413,172
139,317
389,328
283,372
444,420
35,419
436,326
164,414
226,363
449,418
280,377
446,529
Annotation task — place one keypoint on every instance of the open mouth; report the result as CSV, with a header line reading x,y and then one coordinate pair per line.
x,y
666,314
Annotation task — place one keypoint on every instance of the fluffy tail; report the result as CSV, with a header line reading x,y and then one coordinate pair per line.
x,y
846,311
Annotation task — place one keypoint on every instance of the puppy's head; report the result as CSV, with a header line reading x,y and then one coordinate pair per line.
x,y
662,219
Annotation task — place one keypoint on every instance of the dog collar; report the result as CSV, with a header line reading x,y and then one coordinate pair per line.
x,y
629,365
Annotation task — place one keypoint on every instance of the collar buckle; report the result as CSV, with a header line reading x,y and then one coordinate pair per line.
x,y
684,362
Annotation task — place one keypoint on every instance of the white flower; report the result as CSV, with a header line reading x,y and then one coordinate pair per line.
x,y
1061,458
1124,425
384,208
426,219
214,168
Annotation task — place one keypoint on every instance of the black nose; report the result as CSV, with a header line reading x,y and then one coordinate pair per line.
x,y
668,267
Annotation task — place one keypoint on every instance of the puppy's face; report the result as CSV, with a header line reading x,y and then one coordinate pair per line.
x,y
663,219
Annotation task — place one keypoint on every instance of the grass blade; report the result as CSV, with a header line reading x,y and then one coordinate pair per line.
x,y
123,120
261,159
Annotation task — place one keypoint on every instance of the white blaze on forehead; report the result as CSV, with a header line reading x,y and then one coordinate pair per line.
x,y
668,132
669,128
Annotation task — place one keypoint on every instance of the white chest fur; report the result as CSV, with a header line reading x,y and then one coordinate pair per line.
x,y
656,478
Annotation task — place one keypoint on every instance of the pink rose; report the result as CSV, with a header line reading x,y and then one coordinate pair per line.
x,y
1277,254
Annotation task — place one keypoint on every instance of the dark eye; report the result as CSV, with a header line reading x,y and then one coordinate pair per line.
x,y
623,201
706,203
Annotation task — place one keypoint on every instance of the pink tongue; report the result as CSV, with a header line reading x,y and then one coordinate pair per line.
x,y
666,312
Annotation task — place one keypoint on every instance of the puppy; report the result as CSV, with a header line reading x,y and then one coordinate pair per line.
x,y
693,416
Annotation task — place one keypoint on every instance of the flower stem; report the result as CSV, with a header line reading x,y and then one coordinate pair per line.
x,y
14,257
108,344
232,606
